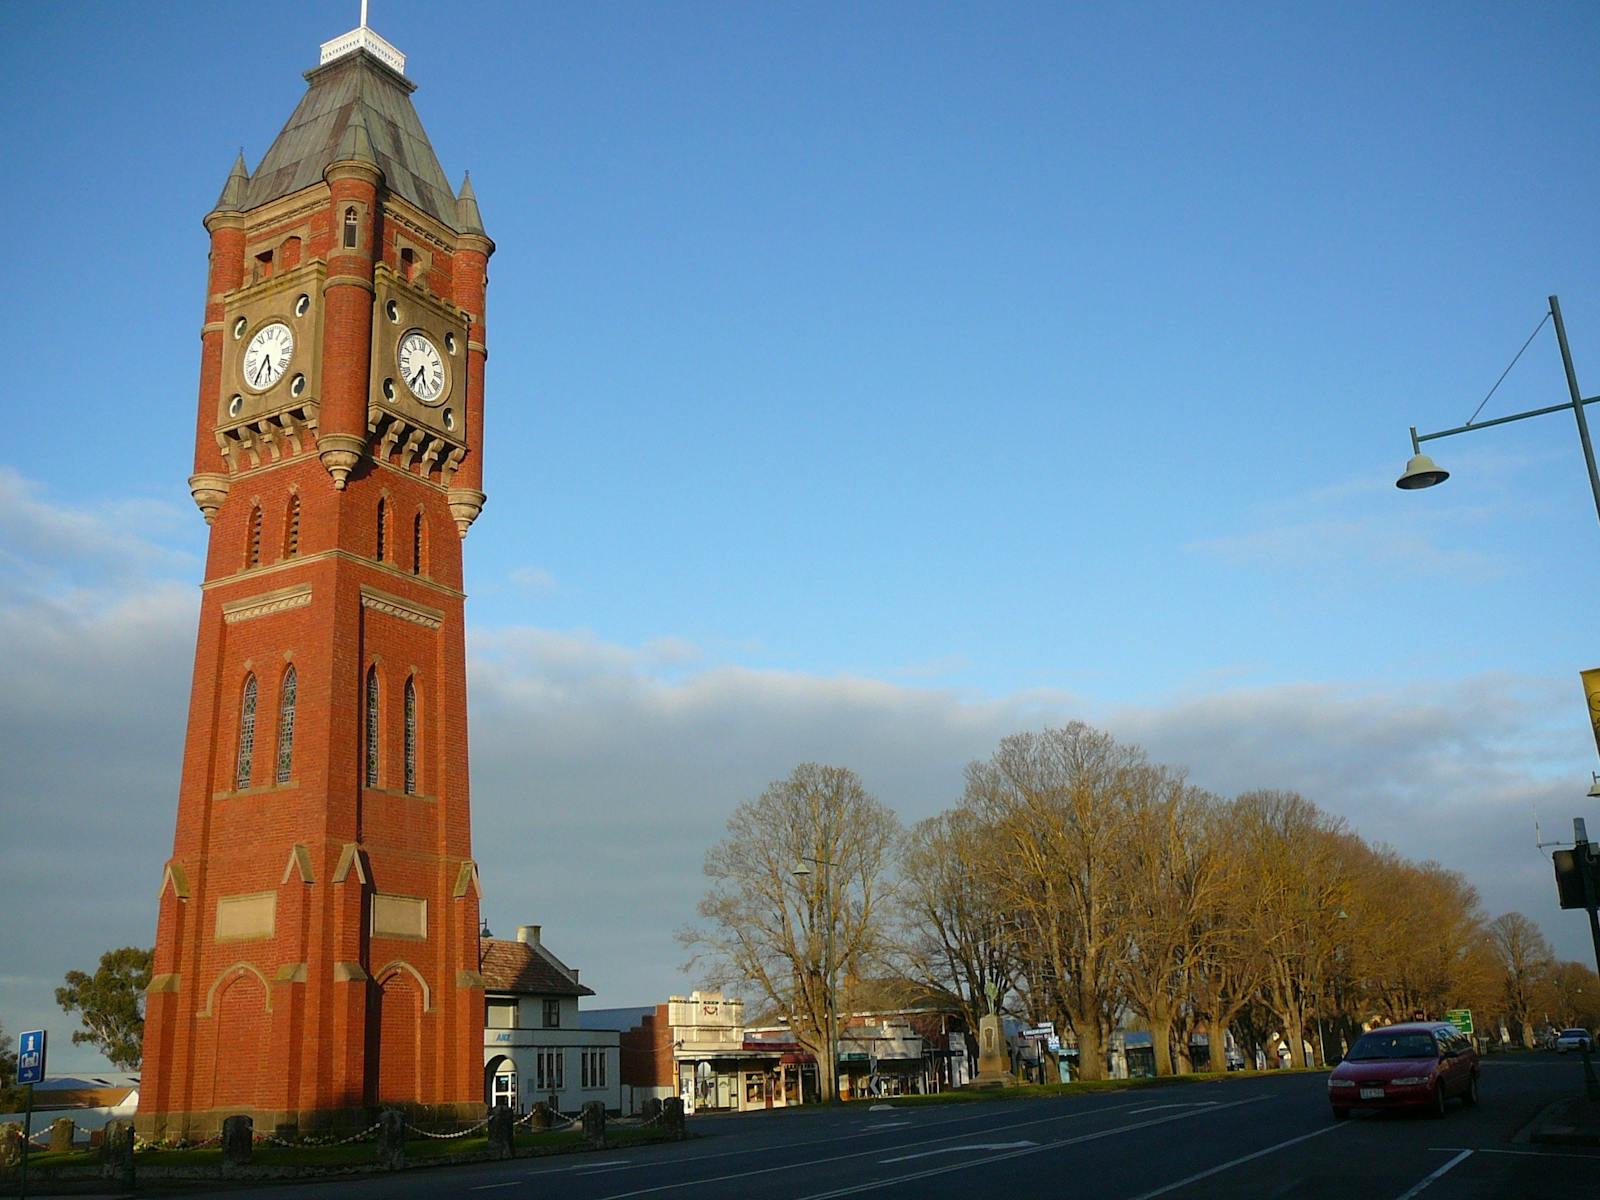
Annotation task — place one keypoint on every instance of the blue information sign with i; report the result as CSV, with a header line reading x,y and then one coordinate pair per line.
x,y
30,1056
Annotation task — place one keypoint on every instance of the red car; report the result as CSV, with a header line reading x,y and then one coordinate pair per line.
x,y
1418,1065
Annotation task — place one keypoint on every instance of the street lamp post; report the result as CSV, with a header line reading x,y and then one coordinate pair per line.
x,y
1423,472
802,871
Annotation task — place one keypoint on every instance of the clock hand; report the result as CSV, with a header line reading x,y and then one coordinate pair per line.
x,y
417,378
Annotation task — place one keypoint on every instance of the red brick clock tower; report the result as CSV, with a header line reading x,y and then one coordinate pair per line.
x,y
317,943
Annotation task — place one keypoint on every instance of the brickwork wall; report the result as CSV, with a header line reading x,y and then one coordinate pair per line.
x,y
323,1015
646,1052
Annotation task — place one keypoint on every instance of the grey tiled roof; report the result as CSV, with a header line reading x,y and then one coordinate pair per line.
x,y
315,135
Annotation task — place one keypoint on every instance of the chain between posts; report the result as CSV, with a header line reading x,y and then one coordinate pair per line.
x,y
568,1122
447,1137
317,1143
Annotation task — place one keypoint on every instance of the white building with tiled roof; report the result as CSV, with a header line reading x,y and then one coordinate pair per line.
x,y
534,1046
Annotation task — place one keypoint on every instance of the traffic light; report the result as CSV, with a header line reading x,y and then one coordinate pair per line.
x,y
1570,868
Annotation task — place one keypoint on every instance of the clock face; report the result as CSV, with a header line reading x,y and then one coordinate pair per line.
x,y
267,356
421,367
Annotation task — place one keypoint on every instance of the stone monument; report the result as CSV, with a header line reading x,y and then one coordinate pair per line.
x,y
994,1063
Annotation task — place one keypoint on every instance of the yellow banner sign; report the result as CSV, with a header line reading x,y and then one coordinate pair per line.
x,y
1591,689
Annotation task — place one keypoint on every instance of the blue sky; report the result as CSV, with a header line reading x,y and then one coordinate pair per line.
x,y
866,383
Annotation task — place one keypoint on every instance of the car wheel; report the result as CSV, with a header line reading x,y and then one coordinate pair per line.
x,y
1436,1109
1341,1114
1470,1096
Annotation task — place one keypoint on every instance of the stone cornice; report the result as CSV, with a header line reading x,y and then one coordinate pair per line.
x,y
266,603
398,606
289,564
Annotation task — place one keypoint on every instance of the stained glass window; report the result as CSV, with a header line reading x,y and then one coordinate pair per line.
x,y
286,727
350,228
372,726
416,546
411,736
247,734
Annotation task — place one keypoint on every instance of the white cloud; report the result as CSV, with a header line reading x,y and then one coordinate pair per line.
x,y
536,580
602,772
1380,542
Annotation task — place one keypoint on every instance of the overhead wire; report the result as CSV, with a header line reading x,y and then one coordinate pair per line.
x,y
1507,371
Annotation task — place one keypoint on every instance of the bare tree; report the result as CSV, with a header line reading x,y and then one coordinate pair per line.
x,y
1174,873
1296,849
1525,960
957,940
767,928
1056,804
1231,962
1570,996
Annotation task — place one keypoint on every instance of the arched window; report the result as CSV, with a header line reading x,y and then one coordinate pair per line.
x,y
372,726
291,540
286,726
289,253
350,228
254,554
383,512
247,734
411,736
416,545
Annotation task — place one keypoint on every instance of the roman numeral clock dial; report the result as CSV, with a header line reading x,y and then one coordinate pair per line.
x,y
267,356
421,366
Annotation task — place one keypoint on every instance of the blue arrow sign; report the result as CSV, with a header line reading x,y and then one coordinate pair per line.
x,y
30,1056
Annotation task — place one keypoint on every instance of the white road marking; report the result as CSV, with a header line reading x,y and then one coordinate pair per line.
x,y
1522,1153
880,1184
1067,1116
885,1125
484,1187
1185,1104
959,1150
1234,1162
1463,1156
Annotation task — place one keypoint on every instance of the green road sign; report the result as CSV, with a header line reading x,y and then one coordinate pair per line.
x,y
1461,1018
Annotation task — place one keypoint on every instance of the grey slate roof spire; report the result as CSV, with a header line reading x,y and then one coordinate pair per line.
x,y
232,198
356,106
356,144
468,218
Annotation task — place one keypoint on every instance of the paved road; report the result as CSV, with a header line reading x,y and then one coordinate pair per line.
x,y
1246,1137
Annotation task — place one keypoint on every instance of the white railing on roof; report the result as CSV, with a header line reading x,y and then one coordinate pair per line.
x,y
364,39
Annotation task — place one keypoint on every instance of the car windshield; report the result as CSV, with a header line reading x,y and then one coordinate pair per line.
x,y
1574,1033
1393,1045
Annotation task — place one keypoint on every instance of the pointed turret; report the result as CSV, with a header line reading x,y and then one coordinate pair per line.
x,y
233,192
468,218
356,144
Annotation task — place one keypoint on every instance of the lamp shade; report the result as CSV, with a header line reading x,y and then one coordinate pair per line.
x,y
1421,472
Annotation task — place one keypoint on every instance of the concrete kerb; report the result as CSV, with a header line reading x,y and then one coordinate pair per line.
x,y
1573,1121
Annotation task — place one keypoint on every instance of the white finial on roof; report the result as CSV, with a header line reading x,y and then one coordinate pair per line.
x,y
362,38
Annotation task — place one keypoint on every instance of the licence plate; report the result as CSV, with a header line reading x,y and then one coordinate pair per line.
x,y
1372,1093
